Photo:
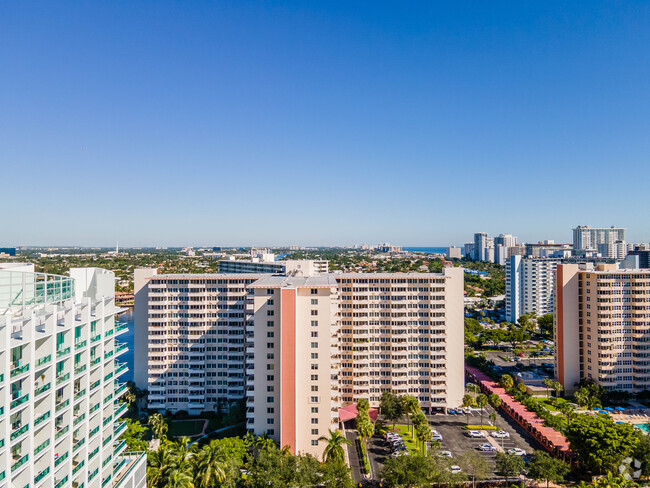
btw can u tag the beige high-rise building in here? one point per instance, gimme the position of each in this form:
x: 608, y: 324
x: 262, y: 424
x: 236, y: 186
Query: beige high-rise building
x: 298, y: 347
x: 602, y: 327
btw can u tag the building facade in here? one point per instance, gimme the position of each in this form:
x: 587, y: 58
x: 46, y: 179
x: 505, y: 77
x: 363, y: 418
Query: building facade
x: 586, y: 239
x: 300, y: 347
x: 59, y: 382
x: 602, y: 327
x: 303, y: 267
x: 529, y: 286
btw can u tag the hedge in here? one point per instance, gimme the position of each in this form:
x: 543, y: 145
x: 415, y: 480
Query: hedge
x: 364, y: 455
x: 480, y: 427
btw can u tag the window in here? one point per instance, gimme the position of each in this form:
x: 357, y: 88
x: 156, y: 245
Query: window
x: 314, y: 377
x: 314, y: 323
x: 270, y: 345
x: 269, y: 312
x: 270, y: 377
x: 313, y: 399
x: 270, y: 421
x: 314, y: 333
x: 270, y: 367
x: 270, y: 356
x: 314, y: 442
x: 270, y: 323
x: 314, y: 312
x: 270, y: 399
x: 314, y: 366
x: 314, y: 355
x: 270, y: 334
x: 314, y: 409
x: 314, y: 387
x: 270, y: 291
x: 270, y: 410
x: 314, y: 291
x: 314, y: 431
x: 270, y: 431
x: 314, y: 301
x: 270, y: 302
x: 314, y: 345
x: 314, y: 420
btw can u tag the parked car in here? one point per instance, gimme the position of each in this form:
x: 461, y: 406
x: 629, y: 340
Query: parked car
x: 445, y: 454
x: 517, y: 452
x: 487, y: 447
x: 455, y: 469
x: 475, y: 433
x: 500, y: 434
x: 451, y: 411
x: 436, y: 436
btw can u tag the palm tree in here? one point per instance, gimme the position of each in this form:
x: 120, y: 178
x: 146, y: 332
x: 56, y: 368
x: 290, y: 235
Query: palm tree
x: 159, y: 466
x: 211, y: 466
x: 180, y: 479
x: 468, y: 401
x: 334, y: 449
x: 249, y: 439
x: 264, y: 442
x: 557, y: 386
x: 412, y: 406
x: 548, y: 384
x: 158, y: 425
x: 423, y: 434
x: 482, y: 401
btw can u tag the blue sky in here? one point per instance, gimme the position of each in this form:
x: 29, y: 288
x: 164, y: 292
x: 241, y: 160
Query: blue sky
x: 322, y: 123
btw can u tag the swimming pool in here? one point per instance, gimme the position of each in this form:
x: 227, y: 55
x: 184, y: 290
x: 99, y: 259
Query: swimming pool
x: 643, y: 427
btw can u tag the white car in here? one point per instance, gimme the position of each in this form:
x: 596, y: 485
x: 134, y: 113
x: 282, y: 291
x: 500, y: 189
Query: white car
x: 515, y: 451
x: 445, y: 454
x: 487, y: 447
x: 500, y: 434
x: 436, y: 437
x: 455, y: 469
x: 475, y: 433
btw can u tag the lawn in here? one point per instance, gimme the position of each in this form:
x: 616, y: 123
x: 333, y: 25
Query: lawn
x: 547, y: 403
x: 405, y: 432
x: 189, y: 428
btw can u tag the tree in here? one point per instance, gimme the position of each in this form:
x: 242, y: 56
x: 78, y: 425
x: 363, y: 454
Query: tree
x: 516, y: 337
x: 544, y: 467
x: 474, y: 466
x: 506, y: 382
x: 545, y: 323
x: 363, y: 405
x: 482, y: 401
x: 521, y: 388
x: 158, y: 425
x: 557, y: 386
x: 495, y: 401
x: 548, y: 384
x: 599, y: 443
x: 134, y: 435
x: 180, y: 479
x: 334, y: 449
x: 211, y: 466
x: 391, y: 407
x: 365, y: 428
x: 413, y: 471
x: 568, y: 411
x: 642, y: 453
x: 509, y: 465
x: 411, y: 405
x: 468, y: 401
x: 423, y: 434
x: 159, y: 464
x: 336, y: 474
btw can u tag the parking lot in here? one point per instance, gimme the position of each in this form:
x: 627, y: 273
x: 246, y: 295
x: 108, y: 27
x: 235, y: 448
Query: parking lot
x: 456, y: 441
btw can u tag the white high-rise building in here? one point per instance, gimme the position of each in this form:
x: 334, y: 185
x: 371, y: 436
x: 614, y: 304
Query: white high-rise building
x: 59, y: 389
x: 529, y: 286
x: 481, y: 245
x: 587, y: 239
x: 298, y: 347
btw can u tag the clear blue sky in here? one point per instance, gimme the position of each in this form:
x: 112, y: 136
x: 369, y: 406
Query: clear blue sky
x: 321, y: 123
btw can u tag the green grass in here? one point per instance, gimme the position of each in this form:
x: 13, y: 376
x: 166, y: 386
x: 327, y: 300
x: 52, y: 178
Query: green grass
x: 405, y: 431
x: 189, y: 428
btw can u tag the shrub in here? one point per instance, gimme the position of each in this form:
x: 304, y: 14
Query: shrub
x: 480, y: 427
x: 364, y: 456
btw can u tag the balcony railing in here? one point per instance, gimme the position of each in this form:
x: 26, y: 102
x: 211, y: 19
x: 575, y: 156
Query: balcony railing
x: 19, y: 401
x: 61, y: 405
x: 61, y: 379
x: 79, y: 394
x: 80, y: 369
x: 44, y: 360
x: 76, y: 469
x: 79, y: 419
x: 17, y: 433
x: 78, y: 444
x: 62, y: 352
x: 19, y: 370
x: 41, y: 418
x: 80, y: 344
x: 41, y: 447
x: 41, y: 389
x: 20, y: 462
x: 62, y: 431
x: 61, y: 483
x: 120, y: 368
x: 120, y: 347
x: 61, y: 458
x: 41, y: 475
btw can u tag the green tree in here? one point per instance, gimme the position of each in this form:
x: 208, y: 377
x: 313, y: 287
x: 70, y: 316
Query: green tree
x: 423, y: 435
x: 521, y: 387
x: 599, y: 443
x: 495, y: 401
x: 558, y: 388
x: 544, y: 467
x: 474, y: 466
x: 545, y: 323
x: 335, y: 474
x: 468, y: 401
x: 516, y: 337
x: 392, y: 408
x: 482, y: 401
x: 334, y: 449
x: 413, y: 471
x: 159, y: 464
x: 363, y: 405
x: 134, y: 435
x: 548, y: 384
x: 412, y: 406
x: 365, y: 428
x: 509, y: 465
x: 506, y: 382
x: 158, y: 425
x: 211, y: 466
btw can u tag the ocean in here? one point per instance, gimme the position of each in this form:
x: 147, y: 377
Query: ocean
x: 428, y: 250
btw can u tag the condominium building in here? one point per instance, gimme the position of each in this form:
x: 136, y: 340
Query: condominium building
x: 59, y: 389
x: 506, y: 240
x: 312, y: 344
x: 529, y: 286
x: 481, y: 245
x: 302, y: 267
x: 602, y: 327
x: 586, y: 239
x: 454, y: 253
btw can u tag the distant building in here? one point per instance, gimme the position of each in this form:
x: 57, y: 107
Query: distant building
x: 7, y: 251
x: 302, y: 267
x: 481, y: 244
x: 454, y: 253
x: 548, y: 249
x: 529, y: 286
x: 388, y: 248
x: 506, y: 240
x: 586, y: 239
x: 468, y: 250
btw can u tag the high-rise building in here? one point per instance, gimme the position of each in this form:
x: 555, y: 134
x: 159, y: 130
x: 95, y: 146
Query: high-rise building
x: 602, y: 326
x: 639, y: 257
x: 529, y: 286
x: 468, y: 250
x: 481, y: 245
x: 507, y: 240
x: 299, y: 346
x: 304, y: 267
x: 586, y: 239
x: 454, y: 253
x: 59, y: 388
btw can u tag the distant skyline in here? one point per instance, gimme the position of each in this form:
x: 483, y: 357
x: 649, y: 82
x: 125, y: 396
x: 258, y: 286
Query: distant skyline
x: 322, y: 123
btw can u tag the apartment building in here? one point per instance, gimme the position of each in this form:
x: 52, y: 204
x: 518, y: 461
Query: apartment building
x: 529, y: 286
x: 586, y: 239
x: 59, y: 382
x: 602, y: 327
x: 312, y: 344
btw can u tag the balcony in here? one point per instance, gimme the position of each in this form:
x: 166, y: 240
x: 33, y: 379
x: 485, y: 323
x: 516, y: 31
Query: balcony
x: 120, y: 368
x: 59, y: 484
x: 79, y: 419
x: 18, y: 432
x: 120, y: 347
x: 121, y: 327
x: 120, y: 410
x: 94, y: 361
x: 61, y: 432
x: 19, y: 401
x: 80, y: 345
x: 60, y: 459
x: 119, y: 428
x: 62, y: 405
x: 78, y: 444
x: 120, y: 389
x: 62, y: 378
x: 77, y: 467
x: 79, y: 394
x: 96, y: 338
x: 20, y: 462
x: 19, y: 369
x: 43, y: 417
x: 62, y: 352
x: 41, y: 447
x: 44, y: 360
x: 119, y: 448
x: 41, y: 475
x: 93, y: 432
x: 41, y: 389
